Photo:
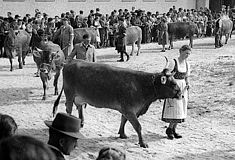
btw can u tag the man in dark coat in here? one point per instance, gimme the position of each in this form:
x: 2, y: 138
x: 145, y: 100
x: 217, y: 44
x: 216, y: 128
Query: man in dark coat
x: 218, y: 26
x: 63, y: 134
x: 121, y: 39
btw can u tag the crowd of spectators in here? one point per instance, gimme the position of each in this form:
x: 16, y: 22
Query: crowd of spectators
x: 134, y: 17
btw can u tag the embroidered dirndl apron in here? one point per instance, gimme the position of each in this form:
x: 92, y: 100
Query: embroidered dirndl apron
x: 175, y: 110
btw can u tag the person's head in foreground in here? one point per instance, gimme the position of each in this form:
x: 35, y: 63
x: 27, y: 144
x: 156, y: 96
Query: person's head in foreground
x: 24, y: 148
x: 64, y: 132
x: 109, y: 153
x: 8, y: 126
x: 185, y: 51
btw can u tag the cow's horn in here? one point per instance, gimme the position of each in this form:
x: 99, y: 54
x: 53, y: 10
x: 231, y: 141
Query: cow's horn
x: 167, y: 62
x: 39, y: 50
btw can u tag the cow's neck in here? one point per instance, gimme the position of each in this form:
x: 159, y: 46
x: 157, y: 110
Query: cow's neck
x: 149, y: 89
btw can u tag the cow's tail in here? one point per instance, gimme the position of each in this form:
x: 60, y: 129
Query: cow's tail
x: 55, y: 107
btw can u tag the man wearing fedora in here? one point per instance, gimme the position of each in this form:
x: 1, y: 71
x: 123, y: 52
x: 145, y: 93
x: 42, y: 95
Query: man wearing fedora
x: 63, y: 134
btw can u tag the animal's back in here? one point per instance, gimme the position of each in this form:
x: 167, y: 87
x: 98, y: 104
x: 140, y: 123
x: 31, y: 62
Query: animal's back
x: 80, y: 32
x: 24, y: 39
x: 103, y: 85
x: 227, y: 26
x: 181, y: 29
x: 134, y: 34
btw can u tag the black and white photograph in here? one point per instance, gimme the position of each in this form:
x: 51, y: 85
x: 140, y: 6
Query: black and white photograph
x: 117, y: 80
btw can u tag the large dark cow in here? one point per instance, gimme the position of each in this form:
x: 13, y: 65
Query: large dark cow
x: 133, y: 35
x: 128, y: 91
x: 49, y: 58
x: 78, y: 35
x: 17, y: 42
x: 181, y: 30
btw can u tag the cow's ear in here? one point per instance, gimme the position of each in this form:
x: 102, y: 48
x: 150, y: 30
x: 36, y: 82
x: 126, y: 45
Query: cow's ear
x: 163, y: 79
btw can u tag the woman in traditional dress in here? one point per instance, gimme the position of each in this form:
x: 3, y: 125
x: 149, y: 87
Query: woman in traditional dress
x: 175, y: 110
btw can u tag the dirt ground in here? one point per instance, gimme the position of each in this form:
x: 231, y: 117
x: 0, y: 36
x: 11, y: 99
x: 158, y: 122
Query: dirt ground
x: 208, y: 133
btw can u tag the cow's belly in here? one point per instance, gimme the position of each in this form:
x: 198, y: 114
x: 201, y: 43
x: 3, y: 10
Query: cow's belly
x: 97, y: 101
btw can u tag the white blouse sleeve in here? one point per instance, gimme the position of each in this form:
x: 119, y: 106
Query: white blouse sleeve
x: 171, y: 65
x: 188, y: 69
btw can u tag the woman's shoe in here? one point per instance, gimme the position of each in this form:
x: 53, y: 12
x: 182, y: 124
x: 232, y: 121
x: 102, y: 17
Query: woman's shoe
x: 176, y: 135
x: 169, y: 133
x: 120, y: 60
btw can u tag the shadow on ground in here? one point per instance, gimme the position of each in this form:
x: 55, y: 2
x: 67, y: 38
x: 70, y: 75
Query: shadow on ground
x: 214, y: 155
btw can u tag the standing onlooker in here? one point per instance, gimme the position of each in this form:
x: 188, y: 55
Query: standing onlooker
x: 24, y: 148
x: 163, y: 35
x: 8, y: 126
x: 218, y: 25
x: 175, y: 110
x: 58, y: 23
x: 9, y: 17
x: 66, y: 35
x: 121, y: 40
x: 109, y: 153
x: 63, y: 134
x: 83, y: 50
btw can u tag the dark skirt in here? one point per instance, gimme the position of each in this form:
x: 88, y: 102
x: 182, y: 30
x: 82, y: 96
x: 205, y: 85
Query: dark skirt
x: 121, y: 44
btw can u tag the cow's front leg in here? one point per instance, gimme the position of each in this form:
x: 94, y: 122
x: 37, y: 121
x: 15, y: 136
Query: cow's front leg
x: 132, y: 49
x: 171, y: 44
x: 24, y: 53
x: 44, y: 79
x: 45, y: 84
x: 80, y: 113
x: 11, y: 67
x: 191, y: 41
x: 122, y: 128
x: 19, y: 52
x: 56, y: 81
x: 135, y: 123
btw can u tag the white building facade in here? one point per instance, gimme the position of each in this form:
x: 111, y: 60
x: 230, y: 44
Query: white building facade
x: 56, y: 7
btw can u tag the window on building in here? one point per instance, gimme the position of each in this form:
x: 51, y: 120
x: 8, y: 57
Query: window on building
x: 102, y: 0
x: 128, y: 0
x: 44, y: 0
x: 13, y: 0
x: 77, y: 0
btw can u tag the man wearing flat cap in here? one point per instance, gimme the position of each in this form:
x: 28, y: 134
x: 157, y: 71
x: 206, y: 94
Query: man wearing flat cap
x: 66, y: 36
x: 63, y: 134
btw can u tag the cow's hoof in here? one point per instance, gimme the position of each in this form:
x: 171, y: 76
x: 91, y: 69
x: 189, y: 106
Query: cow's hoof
x: 56, y: 93
x: 20, y: 66
x: 23, y: 63
x: 82, y: 124
x: 36, y: 74
x: 123, y: 136
x: 11, y: 69
x: 44, y: 98
x: 144, y: 145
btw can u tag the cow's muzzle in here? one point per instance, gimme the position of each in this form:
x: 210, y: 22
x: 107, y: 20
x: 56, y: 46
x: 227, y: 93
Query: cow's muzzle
x: 179, y: 95
x: 44, y: 70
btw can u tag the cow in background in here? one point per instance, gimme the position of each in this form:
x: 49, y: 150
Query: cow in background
x: 48, y: 57
x: 78, y: 35
x: 226, y: 29
x: 17, y: 43
x: 179, y: 30
x: 133, y: 36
